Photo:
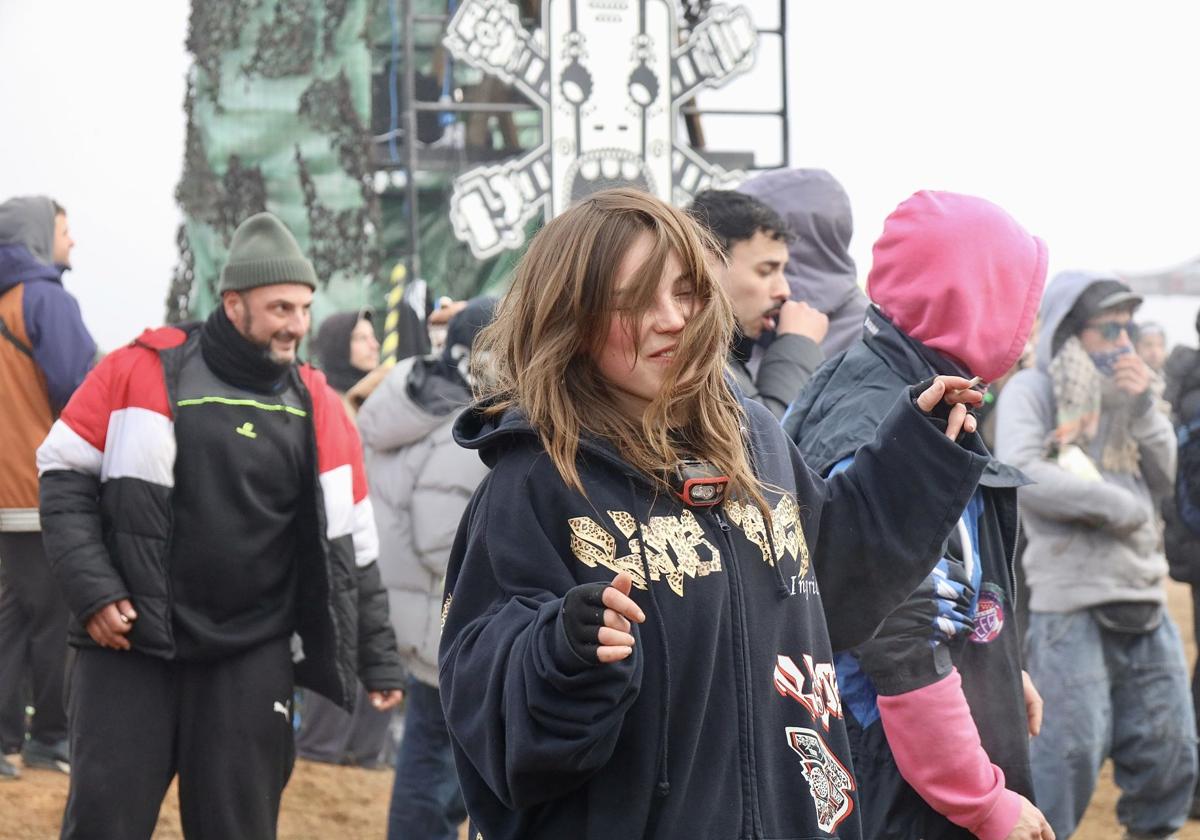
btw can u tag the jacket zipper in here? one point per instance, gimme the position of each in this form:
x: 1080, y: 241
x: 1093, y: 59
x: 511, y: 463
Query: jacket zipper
x: 742, y: 653
x: 177, y: 360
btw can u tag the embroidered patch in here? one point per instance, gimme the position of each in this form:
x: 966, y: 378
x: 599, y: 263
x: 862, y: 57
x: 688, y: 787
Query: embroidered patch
x: 817, y: 692
x: 989, y: 614
x: 829, y: 783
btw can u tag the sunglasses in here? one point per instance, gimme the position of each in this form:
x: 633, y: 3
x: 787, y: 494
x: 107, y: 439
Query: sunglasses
x: 1111, y: 330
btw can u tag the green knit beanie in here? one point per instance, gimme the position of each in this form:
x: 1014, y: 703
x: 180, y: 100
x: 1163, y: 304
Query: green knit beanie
x: 264, y: 252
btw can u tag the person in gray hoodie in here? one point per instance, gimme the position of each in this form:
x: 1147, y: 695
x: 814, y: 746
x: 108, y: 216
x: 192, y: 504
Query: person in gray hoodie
x: 1107, y: 659
x: 777, y: 345
x: 421, y: 482
x: 820, y: 270
x: 45, y: 352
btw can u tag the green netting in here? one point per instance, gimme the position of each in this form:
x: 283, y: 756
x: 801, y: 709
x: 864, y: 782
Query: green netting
x: 283, y: 99
x: 447, y: 265
x: 278, y: 106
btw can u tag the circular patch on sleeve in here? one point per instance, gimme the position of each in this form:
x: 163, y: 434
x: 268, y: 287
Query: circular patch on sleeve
x: 989, y: 614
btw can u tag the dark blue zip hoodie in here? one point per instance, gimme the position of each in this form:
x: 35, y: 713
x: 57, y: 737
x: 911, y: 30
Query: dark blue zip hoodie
x: 726, y: 722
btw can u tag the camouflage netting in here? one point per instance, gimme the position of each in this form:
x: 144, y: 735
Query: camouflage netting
x: 278, y: 107
x: 295, y: 106
x: 447, y: 265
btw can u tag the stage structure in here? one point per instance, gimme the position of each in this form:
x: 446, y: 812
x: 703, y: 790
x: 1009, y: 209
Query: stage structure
x: 609, y: 81
x: 520, y: 108
x: 278, y: 118
x: 413, y: 146
x: 1182, y: 279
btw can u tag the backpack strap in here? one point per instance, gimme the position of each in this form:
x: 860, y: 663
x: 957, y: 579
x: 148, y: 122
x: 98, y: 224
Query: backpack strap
x: 8, y: 334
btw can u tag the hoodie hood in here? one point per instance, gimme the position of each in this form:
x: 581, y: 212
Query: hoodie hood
x: 29, y: 221
x: 491, y: 434
x: 961, y: 276
x: 1061, y: 295
x: 27, y: 241
x: 434, y: 392
x: 816, y: 210
x: 461, y: 332
x: 484, y: 433
x: 332, y: 349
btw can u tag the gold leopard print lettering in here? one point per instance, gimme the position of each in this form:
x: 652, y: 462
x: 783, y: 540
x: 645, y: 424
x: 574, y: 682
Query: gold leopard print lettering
x: 676, y: 548
x: 786, y: 531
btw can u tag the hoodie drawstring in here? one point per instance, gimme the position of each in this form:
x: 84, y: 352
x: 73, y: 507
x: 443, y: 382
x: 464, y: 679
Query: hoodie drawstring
x: 662, y: 786
x: 783, y: 589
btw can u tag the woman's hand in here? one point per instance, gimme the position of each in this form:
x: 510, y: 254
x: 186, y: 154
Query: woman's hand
x: 956, y: 393
x: 597, y: 619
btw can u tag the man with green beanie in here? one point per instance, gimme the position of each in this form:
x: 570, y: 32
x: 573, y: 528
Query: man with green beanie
x: 204, y: 509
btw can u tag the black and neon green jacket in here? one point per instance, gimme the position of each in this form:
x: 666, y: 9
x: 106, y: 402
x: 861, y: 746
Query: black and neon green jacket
x: 108, y: 500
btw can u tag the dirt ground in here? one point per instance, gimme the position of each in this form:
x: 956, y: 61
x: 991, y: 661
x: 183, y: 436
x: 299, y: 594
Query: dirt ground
x: 348, y: 804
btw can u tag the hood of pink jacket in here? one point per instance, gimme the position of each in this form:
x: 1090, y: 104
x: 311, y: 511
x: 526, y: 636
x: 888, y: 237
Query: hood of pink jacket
x: 961, y: 276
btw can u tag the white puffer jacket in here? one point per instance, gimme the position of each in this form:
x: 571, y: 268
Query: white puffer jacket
x: 421, y: 482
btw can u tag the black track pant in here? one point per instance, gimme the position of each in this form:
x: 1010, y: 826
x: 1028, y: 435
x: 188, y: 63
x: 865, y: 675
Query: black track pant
x: 225, y: 727
x: 33, y: 641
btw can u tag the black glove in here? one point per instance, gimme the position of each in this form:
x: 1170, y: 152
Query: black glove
x: 582, y: 617
x: 939, y: 415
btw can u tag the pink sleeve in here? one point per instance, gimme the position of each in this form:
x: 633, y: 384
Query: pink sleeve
x: 945, y: 763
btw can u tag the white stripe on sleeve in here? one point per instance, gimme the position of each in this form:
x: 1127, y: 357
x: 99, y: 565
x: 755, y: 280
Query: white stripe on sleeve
x: 366, y: 539
x: 141, y: 444
x: 65, y: 449
x: 337, y: 487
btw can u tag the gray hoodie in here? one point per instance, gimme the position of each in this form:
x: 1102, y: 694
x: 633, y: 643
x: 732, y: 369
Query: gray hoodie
x: 421, y: 482
x: 1090, y: 542
x: 820, y: 270
x: 29, y: 221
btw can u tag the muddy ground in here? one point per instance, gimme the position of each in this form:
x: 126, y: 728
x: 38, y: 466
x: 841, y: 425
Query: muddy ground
x: 323, y: 801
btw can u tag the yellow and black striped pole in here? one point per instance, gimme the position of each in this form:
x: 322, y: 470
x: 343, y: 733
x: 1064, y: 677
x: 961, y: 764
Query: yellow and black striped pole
x: 391, y: 324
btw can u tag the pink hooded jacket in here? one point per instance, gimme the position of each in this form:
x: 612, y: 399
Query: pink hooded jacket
x: 942, y: 273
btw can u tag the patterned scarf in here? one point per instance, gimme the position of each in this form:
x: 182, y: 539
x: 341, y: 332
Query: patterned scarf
x: 1081, y: 393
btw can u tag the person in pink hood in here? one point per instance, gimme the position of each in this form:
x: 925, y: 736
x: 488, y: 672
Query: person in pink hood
x: 937, y: 705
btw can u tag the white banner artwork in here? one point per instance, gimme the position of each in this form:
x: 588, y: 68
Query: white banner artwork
x: 610, y: 85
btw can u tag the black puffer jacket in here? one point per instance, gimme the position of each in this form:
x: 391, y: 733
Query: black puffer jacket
x: 107, y: 479
x: 1180, y: 543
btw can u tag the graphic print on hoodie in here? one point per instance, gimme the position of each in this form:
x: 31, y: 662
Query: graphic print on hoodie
x: 726, y: 721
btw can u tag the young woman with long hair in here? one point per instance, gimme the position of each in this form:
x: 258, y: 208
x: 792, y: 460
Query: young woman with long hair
x: 645, y: 593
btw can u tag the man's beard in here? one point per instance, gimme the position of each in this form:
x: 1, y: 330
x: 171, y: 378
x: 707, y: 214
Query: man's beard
x: 247, y: 332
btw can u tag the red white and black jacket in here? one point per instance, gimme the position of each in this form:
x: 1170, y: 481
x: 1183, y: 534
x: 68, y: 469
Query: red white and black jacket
x: 106, y: 481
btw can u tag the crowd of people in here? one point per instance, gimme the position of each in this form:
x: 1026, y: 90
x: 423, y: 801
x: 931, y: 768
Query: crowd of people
x: 686, y: 534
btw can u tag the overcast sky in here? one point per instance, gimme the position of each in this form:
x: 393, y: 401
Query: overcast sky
x: 1079, y: 117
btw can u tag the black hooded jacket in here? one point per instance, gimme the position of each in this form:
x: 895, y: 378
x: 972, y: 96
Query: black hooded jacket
x: 726, y: 721
x: 837, y: 414
x: 1180, y: 543
x: 332, y: 349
